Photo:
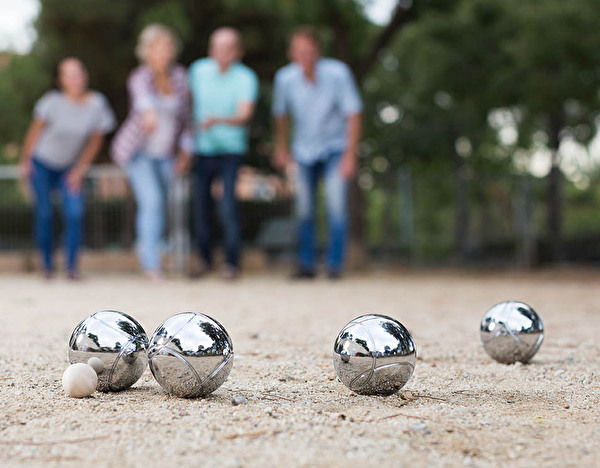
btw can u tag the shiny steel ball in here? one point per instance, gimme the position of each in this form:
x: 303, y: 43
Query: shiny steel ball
x: 511, y: 331
x: 190, y: 355
x: 119, y: 341
x: 374, y: 355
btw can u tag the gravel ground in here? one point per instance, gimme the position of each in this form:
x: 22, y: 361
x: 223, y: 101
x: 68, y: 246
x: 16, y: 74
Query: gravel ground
x: 459, y: 408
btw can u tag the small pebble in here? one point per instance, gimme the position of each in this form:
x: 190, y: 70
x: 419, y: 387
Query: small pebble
x: 79, y: 380
x: 420, y: 428
x: 96, y: 364
x: 238, y: 400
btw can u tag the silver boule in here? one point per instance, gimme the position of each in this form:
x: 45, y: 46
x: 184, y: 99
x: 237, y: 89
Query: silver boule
x: 511, y: 331
x: 190, y: 355
x: 118, y: 340
x: 374, y: 355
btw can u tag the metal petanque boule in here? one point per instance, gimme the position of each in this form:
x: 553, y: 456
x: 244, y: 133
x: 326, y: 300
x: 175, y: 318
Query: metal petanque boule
x: 511, y: 331
x: 190, y: 355
x: 117, y: 340
x: 374, y: 355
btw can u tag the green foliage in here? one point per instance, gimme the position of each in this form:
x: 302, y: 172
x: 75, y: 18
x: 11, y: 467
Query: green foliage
x: 554, y: 54
x: 462, y: 59
x: 21, y: 83
x: 459, y: 62
x: 170, y: 13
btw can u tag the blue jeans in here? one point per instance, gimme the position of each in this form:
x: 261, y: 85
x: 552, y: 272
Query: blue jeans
x: 336, y: 188
x: 206, y: 169
x: 44, y: 181
x: 150, y: 179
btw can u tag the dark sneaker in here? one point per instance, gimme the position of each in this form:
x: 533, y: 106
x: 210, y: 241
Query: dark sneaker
x: 303, y: 274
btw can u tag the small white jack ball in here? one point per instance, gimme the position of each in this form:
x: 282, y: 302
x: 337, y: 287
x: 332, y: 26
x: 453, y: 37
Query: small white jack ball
x: 96, y: 364
x: 79, y: 380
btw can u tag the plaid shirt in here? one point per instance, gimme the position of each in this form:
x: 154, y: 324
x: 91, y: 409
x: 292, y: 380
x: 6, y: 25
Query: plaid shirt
x: 142, y: 94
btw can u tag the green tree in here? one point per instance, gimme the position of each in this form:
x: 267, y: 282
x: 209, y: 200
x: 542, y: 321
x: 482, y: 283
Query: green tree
x: 459, y: 61
x: 552, y: 77
x: 22, y: 81
x: 441, y: 78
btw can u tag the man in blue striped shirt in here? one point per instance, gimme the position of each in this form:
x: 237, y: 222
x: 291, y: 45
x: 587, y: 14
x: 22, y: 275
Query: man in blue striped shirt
x: 323, y: 101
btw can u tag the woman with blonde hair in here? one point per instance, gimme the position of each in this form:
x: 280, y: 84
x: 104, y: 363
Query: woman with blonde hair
x: 155, y: 140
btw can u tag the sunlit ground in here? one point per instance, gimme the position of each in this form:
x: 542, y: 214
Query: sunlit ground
x: 460, y: 407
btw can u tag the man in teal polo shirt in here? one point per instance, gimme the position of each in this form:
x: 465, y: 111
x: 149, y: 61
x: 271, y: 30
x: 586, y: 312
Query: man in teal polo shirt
x: 224, y: 93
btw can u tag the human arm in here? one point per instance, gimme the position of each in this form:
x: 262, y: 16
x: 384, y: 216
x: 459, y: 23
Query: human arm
x: 351, y: 105
x: 77, y: 173
x: 31, y: 138
x: 282, y: 156
x: 185, y: 144
x: 105, y: 123
x: 349, y: 160
x: 142, y: 96
x: 241, y: 117
x: 247, y: 93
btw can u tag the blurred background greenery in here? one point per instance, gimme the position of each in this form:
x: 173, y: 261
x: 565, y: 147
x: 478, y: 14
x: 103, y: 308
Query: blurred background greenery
x: 481, y: 116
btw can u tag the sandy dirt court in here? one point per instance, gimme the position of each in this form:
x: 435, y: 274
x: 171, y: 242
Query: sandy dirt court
x: 459, y: 408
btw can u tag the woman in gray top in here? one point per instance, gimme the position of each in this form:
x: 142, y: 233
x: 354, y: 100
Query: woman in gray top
x: 63, y: 139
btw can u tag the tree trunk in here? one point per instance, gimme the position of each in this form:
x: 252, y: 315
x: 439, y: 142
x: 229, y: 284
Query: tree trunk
x: 555, y: 210
x: 357, y: 248
x: 400, y: 17
x: 463, y: 215
x: 554, y: 195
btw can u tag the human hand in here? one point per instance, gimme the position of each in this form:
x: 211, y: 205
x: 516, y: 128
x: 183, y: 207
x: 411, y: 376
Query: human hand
x: 348, y: 164
x: 74, y: 179
x: 282, y: 159
x: 183, y: 163
x: 208, y: 123
x: 149, y: 120
x: 26, y: 168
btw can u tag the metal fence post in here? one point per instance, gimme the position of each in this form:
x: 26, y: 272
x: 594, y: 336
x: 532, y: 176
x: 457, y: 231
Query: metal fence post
x: 406, y: 220
x: 524, y: 226
x: 178, y: 214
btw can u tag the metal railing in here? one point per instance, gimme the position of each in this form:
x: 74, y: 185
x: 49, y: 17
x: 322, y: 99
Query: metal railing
x: 405, y: 217
x: 110, y: 215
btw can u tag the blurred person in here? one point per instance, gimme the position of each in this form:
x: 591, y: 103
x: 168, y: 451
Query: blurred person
x: 66, y: 133
x: 154, y: 143
x: 224, y: 93
x: 321, y: 97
